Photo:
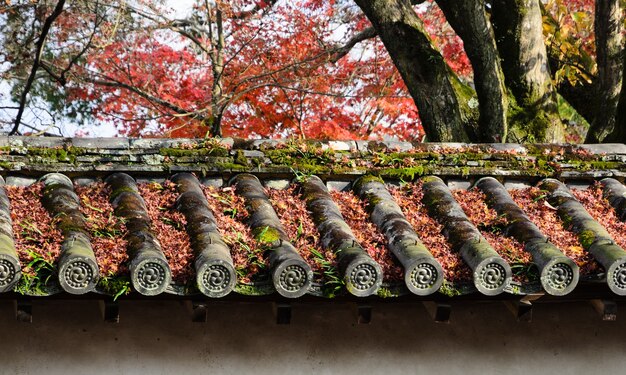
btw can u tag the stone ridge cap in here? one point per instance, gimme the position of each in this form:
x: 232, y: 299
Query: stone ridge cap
x: 124, y: 143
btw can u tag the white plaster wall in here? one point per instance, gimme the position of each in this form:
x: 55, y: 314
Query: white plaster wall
x: 159, y: 338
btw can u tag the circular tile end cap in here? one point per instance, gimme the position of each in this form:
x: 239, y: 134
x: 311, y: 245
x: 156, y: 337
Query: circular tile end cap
x: 10, y: 272
x: 216, y: 278
x: 560, y: 276
x: 363, y: 277
x: 151, y: 276
x: 78, y: 275
x: 292, y: 278
x: 424, y: 276
x: 616, y: 277
x: 492, y: 276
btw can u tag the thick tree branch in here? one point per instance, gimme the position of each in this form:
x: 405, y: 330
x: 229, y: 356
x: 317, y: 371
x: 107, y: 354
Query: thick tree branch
x: 608, y: 24
x: 469, y: 20
x: 36, y: 61
x: 439, y: 95
x: 518, y: 27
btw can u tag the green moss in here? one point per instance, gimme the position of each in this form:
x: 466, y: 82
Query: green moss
x: 56, y: 154
x: 404, y: 174
x: 254, y: 290
x: 586, y: 238
x: 266, y: 235
x: 384, y: 292
x: 115, y: 286
x: 367, y: 179
x: 122, y: 189
x: 194, y: 152
x: 240, y: 158
x: 231, y: 167
x: 449, y: 289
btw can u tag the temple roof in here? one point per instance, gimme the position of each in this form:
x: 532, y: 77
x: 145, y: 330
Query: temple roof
x: 355, y: 220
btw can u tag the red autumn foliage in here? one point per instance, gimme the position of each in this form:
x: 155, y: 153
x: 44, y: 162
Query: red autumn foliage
x: 281, y: 74
x: 169, y: 226
x: 34, y: 230
x: 409, y: 198
x: 293, y: 214
x: 230, y: 213
x: 107, y: 230
x: 367, y: 234
x: 490, y: 226
x: 601, y: 210
x: 533, y: 202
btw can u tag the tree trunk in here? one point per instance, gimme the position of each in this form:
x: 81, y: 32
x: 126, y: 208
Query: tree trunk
x: 442, y: 100
x: 620, y: 117
x: 469, y: 20
x: 518, y: 28
x: 217, y: 66
x: 609, y: 48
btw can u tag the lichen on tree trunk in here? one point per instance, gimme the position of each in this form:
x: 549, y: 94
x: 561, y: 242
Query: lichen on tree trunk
x: 533, y: 114
x: 469, y: 20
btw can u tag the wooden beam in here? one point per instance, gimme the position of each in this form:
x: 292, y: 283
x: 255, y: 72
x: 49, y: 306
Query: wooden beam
x: 522, y: 309
x: 282, y: 312
x: 439, y: 312
x: 110, y: 311
x: 24, y: 310
x: 363, y: 313
x: 607, y: 309
x: 198, y: 310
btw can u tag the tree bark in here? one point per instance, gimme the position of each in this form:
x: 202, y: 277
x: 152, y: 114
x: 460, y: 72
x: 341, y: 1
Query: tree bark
x: 442, y: 100
x: 620, y: 117
x: 469, y: 20
x: 519, y: 37
x: 609, y: 20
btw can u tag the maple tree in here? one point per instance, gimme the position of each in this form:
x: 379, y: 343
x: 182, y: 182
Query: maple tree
x: 318, y: 69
